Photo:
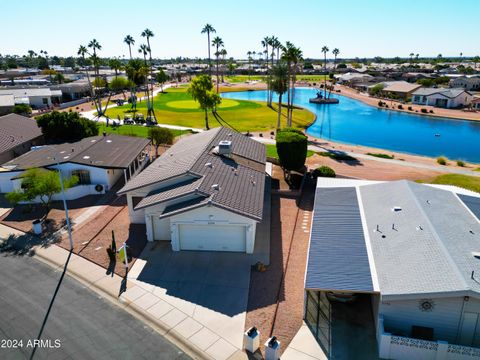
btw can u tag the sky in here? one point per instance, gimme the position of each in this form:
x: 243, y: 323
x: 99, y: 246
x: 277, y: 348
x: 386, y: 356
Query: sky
x: 364, y: 28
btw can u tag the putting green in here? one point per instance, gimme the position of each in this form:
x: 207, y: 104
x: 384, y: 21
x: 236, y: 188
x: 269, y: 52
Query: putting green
x: 190, y: 104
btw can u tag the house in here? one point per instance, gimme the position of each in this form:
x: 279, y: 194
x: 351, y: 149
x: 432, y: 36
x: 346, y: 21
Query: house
x: 352, y: 78
x: 468, y: 83
x: 204, y: 193
x: 18, y: 134
x: 7, y: 103
x: 398, y: 89
x: 444, y: 98
x: 37, y: 98
x: 410, y: 252
x: 73, y: 90
x: 98, y: 161
x: 476, y: 102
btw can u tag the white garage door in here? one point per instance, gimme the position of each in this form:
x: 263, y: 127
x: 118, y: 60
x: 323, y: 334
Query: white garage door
x: 212, y: 237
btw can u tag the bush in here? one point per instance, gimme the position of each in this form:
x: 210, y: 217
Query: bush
x: 400, y: 107
x: 291, y: 148
x: 410, y: 108
x: 460, y: 163
x: 66, y: 126
x: 324, y: 171
x: 431, y: 111
x: 380, y: 103
x: 22, y: 109
x: 424, y: 111
x: 441, y: 160
x: 380, y: 155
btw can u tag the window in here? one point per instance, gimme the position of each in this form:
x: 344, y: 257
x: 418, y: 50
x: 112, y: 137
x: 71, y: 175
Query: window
x: 45, y: 101
x: 83, y: 176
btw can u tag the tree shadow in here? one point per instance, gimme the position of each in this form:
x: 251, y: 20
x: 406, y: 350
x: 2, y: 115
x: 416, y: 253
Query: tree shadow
x: 23, y: 245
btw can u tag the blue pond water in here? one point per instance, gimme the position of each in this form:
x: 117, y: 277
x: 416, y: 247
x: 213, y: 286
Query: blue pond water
x: 353, y: 122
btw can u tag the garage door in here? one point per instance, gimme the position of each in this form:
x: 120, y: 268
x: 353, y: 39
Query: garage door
x: 212, y: 237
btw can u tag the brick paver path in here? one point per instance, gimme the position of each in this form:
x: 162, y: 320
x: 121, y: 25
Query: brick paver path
x: 275, y: 304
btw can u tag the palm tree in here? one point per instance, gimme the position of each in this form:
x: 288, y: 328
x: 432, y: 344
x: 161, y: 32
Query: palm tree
x: 147, y: 33
x: 265, y: 44
x: 411, y: 57
x: 82, y: 51
x: 249, y: 57
x: 292, y: 56
x: 115, y: 65
x: 217, y: 42
x: 207, y: 29
x: 335, y: 53
x: 275, y: 46
x: 223, y: 53
x: 145, y: 51
x: 129, y: 40
x: 416, y: 57
x: 325, y: 49
x: 461, y: 56
x: 279, y: 84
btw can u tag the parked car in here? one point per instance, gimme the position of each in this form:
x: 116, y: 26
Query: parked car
x: 128, y: 119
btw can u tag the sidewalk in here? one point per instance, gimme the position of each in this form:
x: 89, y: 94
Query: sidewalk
x: 304, y: 346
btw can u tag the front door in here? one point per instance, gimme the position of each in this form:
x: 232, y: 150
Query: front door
x: 469, y: 327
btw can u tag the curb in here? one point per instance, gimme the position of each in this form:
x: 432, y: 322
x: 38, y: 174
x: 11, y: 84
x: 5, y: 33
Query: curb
x: 131, y: 308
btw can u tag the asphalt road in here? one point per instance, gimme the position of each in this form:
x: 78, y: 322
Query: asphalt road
x: 84, y: 325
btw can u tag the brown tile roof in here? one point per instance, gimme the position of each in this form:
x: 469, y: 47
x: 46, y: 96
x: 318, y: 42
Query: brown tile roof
x: 16, y: 130
x: 236, y: 183
x: 112, y: 151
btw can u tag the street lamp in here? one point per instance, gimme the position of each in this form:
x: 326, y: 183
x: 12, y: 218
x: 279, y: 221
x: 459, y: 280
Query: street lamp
x: 69, y: 229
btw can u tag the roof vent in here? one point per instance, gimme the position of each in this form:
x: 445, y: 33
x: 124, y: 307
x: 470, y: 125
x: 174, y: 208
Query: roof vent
x: 216, y: 187
x: 476, y: 254
x: 225, y: 148
x: 209, y: 164
x: 86, y: 157
x: 397, y: 208
x: 109, y: 141
x: 419, y: 227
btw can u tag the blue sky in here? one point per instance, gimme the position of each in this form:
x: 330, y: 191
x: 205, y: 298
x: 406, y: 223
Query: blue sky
x: 358, y: 28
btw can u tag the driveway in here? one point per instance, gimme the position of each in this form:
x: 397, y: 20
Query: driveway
x: 200, y: 296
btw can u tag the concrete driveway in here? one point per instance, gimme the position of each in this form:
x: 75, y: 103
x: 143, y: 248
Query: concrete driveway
x: 201, y: 296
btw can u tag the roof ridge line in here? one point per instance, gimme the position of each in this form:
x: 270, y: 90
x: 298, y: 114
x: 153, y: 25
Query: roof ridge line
x: 436, y: 236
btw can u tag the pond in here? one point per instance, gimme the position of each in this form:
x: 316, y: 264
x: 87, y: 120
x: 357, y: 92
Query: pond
x: 354, y: 122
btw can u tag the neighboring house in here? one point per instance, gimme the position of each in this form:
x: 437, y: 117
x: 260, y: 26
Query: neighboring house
x: 74, y: 90
x: 398, y: 89
x: 351, y: 78
x: 476, y: 102
x: 468, y: 83
x: 17, y: 136
x: 206, y: 192
x: 7, y: 103
x: 37, y: 98
x: 444, y: 98
x: 411, y: 252
x: 98, y: 161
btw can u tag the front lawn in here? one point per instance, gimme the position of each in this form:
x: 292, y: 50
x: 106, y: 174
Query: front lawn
x: 176, y: 107
x: 464, y: 181
x: 272, y: 151
x: 132, y: 130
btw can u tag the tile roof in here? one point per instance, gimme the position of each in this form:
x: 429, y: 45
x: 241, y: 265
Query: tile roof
x: 112, y: 151
x: 15, y: 130
x: 236, y: 183
x: 400, y: 86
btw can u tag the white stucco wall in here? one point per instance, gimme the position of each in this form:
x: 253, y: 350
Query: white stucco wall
x: 98, y: 175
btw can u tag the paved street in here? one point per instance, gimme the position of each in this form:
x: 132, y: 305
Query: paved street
x: 87, y: 326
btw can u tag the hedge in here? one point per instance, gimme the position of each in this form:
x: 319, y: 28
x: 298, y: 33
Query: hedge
x: 291, y: 148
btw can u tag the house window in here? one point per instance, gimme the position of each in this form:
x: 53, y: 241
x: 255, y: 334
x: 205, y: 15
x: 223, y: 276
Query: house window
x: 136, y: 200
x: 83, y: 176
x: 45, y: 101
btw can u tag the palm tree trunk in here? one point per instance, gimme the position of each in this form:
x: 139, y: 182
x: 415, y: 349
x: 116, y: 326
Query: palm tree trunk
x: 217, y: 72
x: 209, y: 63
x: 279, y: 110
x: 293, y: 98
x: 288, y: 92
x: 206, y: 120
x: 270, y: 99
x: 130, y: 51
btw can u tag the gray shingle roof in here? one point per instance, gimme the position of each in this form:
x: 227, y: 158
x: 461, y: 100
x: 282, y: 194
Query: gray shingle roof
x: 239, y: 181
x: 15, y: 130
x: 427, y: 246
x: 114, y: 151
x: 337, y: 258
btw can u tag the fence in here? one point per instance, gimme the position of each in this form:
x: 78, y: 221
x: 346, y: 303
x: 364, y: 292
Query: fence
x: 404, y: 348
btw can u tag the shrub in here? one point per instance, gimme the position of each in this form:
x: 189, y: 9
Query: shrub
x: 380, y: 103
x: 410, y: 108
x: 431, y: 111
x: 423, y: 110
x: 400, y: 107
x: 66, y: 126
x: 22, y: 109
x: 291, y: 148
x: 441, y: 160
x: 324, y: 171
x: 460, y: 163
x: 380, y: 155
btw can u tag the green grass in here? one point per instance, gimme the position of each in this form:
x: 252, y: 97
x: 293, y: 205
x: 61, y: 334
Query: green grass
x: 464, y: 181
x: 272, y: 151
x: 337, y: 156
x: 176, y: 107
x: 132, y: 130
x: 380, y: 155
x: 244, y: 78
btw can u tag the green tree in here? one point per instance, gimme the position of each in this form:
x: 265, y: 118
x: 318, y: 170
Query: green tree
x: 376, y: 90
x: 279, y: 84
x: 66, y: 126
x: 41, y: 184
x: 136, y: 71
x: 325, y: 49
x: 291, y: 148
x: 160, y: 136
x: 147, y: 33
x: 22, y: 109
x: 208, y: 29
x: 115, y: 65
x: 129, y: 40
x: 162, y: 78
x: 201, y: 90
